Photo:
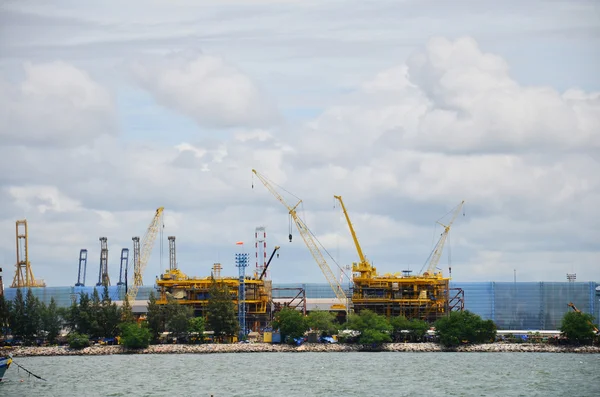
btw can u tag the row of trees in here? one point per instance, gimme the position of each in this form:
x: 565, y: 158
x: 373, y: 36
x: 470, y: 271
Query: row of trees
x: 457, y: 328
x: 95, y: 317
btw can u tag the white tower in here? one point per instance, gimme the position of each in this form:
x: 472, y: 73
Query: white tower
x: 260, y: 238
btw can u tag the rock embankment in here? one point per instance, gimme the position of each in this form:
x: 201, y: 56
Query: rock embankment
x: 307, y: 347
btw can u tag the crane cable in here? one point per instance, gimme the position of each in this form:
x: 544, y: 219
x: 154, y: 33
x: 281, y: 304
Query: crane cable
x: 28, y: 371
x: 302, y: 209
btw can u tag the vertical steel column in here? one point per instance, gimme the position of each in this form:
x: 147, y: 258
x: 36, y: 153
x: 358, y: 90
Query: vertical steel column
x: 82, y: 264
x: 241, y: 262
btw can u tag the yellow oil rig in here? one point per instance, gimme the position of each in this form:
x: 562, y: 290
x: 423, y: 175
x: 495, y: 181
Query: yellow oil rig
x: 195, y: 291
x: 425, y: 296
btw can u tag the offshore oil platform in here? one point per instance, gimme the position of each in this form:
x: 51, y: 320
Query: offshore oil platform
x: 426, y: 296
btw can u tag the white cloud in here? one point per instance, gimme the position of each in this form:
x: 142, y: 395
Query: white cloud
x: 205, y: 88
x: 458, y: 119
x: 55, y: 105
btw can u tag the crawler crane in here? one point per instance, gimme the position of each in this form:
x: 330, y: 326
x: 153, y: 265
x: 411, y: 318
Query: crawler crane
x: 141, y: 261
x: 365, y: 268
x: 310, y: 242
x: 439, y: 247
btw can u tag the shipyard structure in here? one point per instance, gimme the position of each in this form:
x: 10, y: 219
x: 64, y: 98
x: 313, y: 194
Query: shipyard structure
x: 427, y: 295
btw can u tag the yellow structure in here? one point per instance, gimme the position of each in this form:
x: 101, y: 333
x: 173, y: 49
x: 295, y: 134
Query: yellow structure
x: 343, y: 302
x: 23, y: 273
x: 425, y: 297
x: 194, y: 291
x: 142, y: 255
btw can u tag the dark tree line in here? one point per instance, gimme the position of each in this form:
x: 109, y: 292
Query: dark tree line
x: 96, y: 317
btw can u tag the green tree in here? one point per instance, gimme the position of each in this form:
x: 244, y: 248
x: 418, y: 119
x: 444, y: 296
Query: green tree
x: 51, y: 321
x: 322, y: 320
x: 17, y: 316
x: 33, y: 317
x: 197, y: 325
x: 464, y: 327
x: 5, y: 309
x: 82, y: 315
x: 222, y: 315
x: 127, y: 312
x: 95, y: 316
x: 110, y: 316
x: 177, y: 317
x: 405, y: 329
x: 419, y: 329
x: 291, y: 324
x: 134, y: 336
x: 78, y: 341
x: 374, y: 329
x: 578, y: 327
x: 155, y: 317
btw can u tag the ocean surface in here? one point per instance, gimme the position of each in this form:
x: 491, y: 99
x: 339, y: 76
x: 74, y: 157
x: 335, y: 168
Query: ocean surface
x: 309, y: 374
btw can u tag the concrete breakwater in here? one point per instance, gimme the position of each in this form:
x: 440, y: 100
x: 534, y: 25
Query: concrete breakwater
x: 307, y: 347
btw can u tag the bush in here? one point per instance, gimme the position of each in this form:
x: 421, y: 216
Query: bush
x: 578, y: 327
x: 464, y: 327
x: 78, y: 341
x: 135, y: 337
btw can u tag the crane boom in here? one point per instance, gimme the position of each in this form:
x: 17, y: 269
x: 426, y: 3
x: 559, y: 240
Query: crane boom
x: 310, y: 243
x: 364, y: 267
x: 439, y: 247
x: 269, y: 262
x: 145, y: 251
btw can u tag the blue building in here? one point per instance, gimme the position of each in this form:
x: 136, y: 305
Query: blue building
x: 512, y: 306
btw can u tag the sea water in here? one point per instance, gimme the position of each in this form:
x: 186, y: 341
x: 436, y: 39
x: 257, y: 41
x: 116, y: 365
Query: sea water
x: 309, y: 374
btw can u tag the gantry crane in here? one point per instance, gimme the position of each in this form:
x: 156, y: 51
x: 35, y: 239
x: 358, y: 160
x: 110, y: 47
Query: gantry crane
x: 141, y: 259
x: 23, y: 273
x: 311, y: 244
x: 364, y: 267
x: 82, y: 266
x: 123, y: 267
x: 439, y: 247
x: 103, y: 279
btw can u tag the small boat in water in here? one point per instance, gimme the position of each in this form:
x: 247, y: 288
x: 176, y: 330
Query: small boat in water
x: 5, y: 362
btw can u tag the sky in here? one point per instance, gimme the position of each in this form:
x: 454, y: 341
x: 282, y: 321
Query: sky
x: 109, y: 110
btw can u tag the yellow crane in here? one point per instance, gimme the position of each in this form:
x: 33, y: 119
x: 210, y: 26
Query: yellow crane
x: 145, y: 251
x: 572, y: 306
x: 439, y: 247
x: 363, y: 267
x: 311, y: 244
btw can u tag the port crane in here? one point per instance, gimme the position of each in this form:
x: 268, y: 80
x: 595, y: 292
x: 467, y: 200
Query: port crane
x: 311, y: 244
x: 82, y: 266
x: 141, y: 260
x: 365, y: 268
x: 439, y: 247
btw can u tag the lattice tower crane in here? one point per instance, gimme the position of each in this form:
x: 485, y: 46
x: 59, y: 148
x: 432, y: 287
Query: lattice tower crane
x: 311, y: 244
x: 364, y: 267
x: 439, y: 247
x: 145, y: 250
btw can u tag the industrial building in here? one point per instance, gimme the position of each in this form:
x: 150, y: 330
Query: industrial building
x: 512, y: 306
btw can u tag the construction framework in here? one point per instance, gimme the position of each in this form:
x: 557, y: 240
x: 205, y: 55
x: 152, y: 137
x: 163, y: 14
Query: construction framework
x: 23, y: 273
x: 195, y: 292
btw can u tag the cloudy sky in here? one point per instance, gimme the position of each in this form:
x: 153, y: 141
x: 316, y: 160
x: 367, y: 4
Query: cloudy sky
x: 110, y: 109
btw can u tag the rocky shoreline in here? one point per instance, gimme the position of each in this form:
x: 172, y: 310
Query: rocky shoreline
x: 307, y: 347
